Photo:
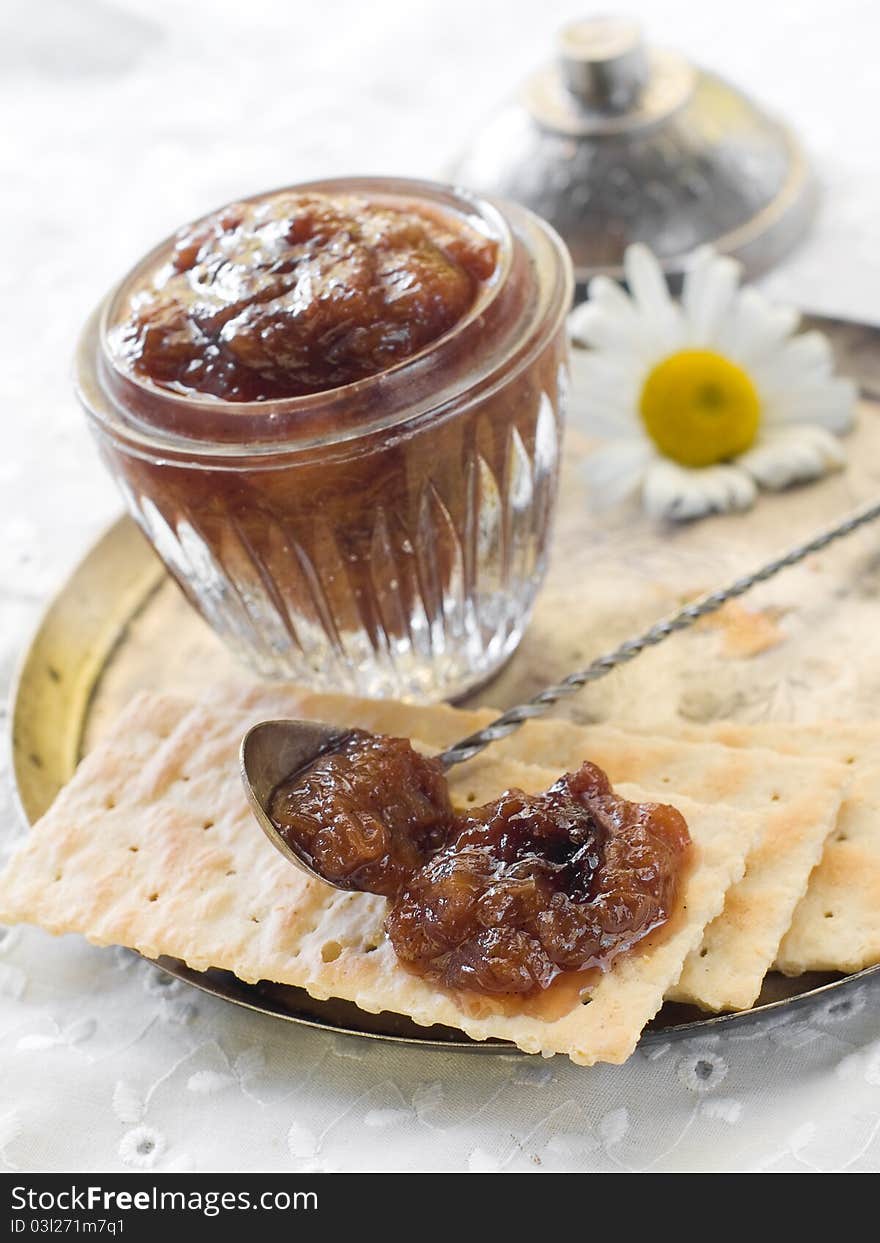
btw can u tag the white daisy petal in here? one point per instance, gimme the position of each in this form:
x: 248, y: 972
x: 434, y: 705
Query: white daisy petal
x: 615, y: 471
x: 646, y: 281
x: 606, y: 293
x: 604, y: 367
x: 661, y: 326
x: 602, y: 395
x: 600, y: 329
x: 793, y: 454
x: 613, y: 303
x: 804, y: 359
x: 831, y: 404
x: 677, y: 493
x: 710, y: 288
x: 756, y: 328
x: 609, y: 423
x: 811, y: 352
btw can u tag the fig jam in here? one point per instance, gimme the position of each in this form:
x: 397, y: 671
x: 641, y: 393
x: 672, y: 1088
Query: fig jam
x: 300, y: 293
x: 499, y: 900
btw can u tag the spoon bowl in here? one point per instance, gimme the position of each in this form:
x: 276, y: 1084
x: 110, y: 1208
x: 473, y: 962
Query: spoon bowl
x: 272, y: 752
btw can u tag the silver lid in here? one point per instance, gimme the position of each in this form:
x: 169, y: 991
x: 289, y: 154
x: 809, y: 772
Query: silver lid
x: 616, y: 142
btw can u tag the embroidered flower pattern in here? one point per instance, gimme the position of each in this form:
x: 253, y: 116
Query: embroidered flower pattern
x: 141, y: 1147
x: 703, y: 1071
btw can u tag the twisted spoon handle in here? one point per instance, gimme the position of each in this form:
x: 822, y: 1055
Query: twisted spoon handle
x: 542, y: 702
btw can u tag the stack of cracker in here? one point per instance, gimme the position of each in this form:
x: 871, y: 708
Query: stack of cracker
x: 152, y: 846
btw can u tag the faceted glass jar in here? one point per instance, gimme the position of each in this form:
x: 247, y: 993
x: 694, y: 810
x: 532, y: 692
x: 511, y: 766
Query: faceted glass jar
x: 385, y: 538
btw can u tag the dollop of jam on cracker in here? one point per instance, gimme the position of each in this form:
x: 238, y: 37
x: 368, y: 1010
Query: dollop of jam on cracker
x: 502, y: 898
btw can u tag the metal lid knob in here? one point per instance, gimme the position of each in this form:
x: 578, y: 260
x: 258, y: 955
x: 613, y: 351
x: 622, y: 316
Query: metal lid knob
x: 603, y: 62
x: 615, y: 142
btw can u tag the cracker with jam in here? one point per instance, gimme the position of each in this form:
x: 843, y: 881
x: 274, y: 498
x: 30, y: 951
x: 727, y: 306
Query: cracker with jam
x: 152, y: 845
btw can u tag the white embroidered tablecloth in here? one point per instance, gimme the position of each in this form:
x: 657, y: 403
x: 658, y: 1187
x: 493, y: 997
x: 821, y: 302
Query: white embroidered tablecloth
x: 124, y: 118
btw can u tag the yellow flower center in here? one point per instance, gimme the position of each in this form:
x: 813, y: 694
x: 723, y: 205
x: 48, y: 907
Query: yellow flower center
x: 699, y: 408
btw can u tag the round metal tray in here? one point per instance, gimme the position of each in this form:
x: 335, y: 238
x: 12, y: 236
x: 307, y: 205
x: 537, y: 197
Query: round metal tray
x: 119, y: 624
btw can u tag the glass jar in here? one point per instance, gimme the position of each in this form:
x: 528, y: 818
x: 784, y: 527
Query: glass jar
x: 387, y: 537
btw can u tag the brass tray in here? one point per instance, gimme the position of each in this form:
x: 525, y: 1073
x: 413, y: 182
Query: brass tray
x: 119, y: 624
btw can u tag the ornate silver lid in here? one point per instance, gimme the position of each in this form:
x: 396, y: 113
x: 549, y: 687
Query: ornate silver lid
x: 616, y: 143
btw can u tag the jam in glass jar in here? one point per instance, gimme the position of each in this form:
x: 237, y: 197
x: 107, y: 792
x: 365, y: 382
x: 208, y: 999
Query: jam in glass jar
x: 336, y: 412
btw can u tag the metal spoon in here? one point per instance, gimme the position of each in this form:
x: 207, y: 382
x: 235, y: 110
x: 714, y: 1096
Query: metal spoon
x: 274, y: 751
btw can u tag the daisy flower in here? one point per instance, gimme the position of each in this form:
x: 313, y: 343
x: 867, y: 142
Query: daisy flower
x: 701, y: 402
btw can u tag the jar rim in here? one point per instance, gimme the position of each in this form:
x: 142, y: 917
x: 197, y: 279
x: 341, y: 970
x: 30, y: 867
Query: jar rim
x: 109, y: 392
